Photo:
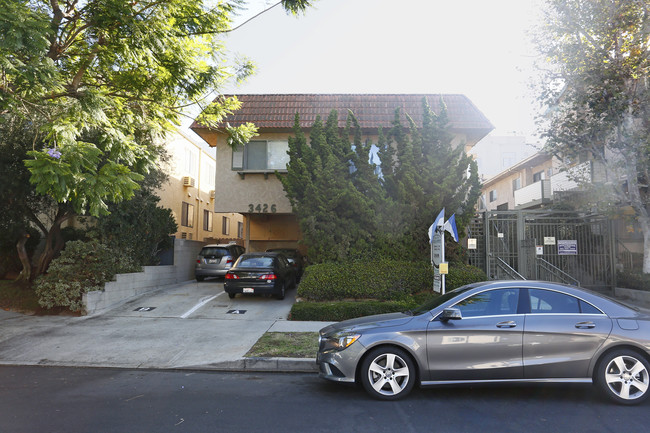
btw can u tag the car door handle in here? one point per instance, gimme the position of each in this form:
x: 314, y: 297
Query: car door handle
x: 585, y: 325
x: 507, y: 324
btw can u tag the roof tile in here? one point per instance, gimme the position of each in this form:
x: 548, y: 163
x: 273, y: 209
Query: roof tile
x: 276, y: 111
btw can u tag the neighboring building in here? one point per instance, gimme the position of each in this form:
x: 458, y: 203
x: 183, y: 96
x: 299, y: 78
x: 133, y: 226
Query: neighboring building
x: 544, y: 181
x: 496, y: 153
x: 536, y: 182
x: 190, y: 192
x: 246, y: 176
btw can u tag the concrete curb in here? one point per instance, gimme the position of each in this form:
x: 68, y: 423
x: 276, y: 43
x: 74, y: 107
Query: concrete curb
x: 279, y: 365
x: 284, y: 365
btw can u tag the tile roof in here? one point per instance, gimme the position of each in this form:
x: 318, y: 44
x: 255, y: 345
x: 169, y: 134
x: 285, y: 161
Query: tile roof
x: 268, y: 111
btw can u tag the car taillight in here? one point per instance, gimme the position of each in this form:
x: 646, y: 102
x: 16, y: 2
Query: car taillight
x: 268, y: 277
x: 229, y: 260
x: 198, y: 260
x: 230, y: 276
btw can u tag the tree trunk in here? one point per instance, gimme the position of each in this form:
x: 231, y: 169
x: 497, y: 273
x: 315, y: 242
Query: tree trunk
x: 53, y: 243
x: 26, y: 272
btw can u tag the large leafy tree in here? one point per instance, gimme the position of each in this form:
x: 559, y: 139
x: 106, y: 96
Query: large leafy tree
x: 596, y: 81
x: 96, y: 83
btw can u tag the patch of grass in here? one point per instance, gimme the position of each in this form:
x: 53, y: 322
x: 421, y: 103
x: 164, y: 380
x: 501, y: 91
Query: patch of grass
x: 285, y: 345
x: 18, y: 297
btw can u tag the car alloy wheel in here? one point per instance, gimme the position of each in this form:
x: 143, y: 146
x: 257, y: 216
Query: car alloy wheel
x: 623, y: 376
x: 388, y: 373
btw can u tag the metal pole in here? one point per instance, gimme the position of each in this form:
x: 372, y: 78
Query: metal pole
x: 442, y: 260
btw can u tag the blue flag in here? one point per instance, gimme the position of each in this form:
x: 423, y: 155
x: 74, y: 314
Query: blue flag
x: 450, y: 226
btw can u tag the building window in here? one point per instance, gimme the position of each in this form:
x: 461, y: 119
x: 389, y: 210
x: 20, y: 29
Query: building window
x: 225, y: 225
x: 240, y: 230
x: 516, y: 184
x: 261, y: 155
x: 493, y: 195
x: 207, y: 220
x: 190, y: 162
x: 538, y: 176
x: 207, y: 174
x: 187, y: 215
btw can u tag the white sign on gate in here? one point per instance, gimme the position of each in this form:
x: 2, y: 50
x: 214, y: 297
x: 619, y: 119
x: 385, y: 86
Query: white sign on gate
x: 567, y: 247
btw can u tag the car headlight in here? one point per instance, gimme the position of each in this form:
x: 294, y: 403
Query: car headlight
x: 339, y: 341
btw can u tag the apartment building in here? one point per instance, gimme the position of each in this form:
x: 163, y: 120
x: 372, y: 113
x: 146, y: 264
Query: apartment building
x: 247, y: 175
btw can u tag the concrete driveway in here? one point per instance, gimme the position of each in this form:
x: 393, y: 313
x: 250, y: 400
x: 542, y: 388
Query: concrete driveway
x: 205, y: 300
x: 189, y: 325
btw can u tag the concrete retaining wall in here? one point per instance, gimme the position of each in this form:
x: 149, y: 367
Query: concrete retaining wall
x: 637, y: 297
x: 128, y: 286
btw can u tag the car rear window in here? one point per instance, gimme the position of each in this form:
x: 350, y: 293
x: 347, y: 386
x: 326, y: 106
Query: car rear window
x: 286, y: 252
x: 217, y: 252
x: 255, y: 262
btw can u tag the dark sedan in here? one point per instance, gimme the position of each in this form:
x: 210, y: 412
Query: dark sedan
x: 260, y: 274
x: 498, y: 331
x: 295, y: 258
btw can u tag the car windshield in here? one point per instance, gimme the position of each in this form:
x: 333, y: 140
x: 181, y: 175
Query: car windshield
x: 217, y: 252
x: 255, y: 262
x: 439, y: 300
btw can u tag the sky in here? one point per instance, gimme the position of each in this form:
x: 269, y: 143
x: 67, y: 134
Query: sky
x: 477, y: 48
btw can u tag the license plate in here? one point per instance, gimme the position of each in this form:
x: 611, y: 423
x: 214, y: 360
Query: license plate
x: 213, y: 261
x: 248, y: 290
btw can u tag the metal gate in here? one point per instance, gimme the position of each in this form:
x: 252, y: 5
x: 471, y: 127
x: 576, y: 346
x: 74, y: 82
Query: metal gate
x: 567, y: 247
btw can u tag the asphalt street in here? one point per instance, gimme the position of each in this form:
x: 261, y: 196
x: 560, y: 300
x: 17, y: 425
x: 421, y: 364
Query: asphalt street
x: 82, y: 400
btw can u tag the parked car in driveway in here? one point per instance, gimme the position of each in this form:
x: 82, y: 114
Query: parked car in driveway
x: 497, y: 331
x: 260, y: 274
x: 295, y: 258
x: 215, y: 260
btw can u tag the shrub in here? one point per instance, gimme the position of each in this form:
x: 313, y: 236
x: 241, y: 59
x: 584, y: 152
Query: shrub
x: 337, y: 311
x: 382, y: 279
x: 633, y: 280
x: 82, y: 267
x: 461, y: 274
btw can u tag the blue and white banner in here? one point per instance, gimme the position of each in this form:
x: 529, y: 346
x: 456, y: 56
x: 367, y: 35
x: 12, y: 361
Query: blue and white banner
x: 450, y: 226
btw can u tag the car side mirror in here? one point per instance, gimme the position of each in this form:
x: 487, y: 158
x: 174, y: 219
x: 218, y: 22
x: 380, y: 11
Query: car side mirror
x: 451, y: 314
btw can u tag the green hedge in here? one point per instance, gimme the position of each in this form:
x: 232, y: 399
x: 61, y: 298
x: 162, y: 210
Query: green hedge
x: 633, y: 280
x: 337, y: 311
x: 82, y: 267
x: 380, y: 280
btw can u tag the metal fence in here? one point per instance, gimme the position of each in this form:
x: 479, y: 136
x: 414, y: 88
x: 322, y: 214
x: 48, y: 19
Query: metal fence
x: 569, y: 247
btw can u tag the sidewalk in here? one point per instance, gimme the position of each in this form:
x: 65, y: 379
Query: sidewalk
x: 119, y: 341
x: 125, y: 338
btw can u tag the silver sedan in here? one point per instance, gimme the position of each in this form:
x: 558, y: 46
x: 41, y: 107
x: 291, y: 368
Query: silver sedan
x: 497, y: 331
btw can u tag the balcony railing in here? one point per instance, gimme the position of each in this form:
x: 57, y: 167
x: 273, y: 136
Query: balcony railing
x: 534, y: 194
x: 572, y: 177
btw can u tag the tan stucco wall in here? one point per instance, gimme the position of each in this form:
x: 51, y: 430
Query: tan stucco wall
x: 173, y: 193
